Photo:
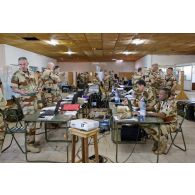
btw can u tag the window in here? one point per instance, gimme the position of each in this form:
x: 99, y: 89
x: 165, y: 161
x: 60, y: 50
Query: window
x: 193, y: 74
x: 187, y: 73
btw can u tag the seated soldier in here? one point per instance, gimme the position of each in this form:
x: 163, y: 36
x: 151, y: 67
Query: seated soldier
x: 144, y: 92
x: 167, y: 110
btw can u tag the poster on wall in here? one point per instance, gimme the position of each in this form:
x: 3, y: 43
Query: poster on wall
x: 33, y: 68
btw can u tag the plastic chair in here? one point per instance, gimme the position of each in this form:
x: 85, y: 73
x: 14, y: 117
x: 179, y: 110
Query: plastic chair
x: 179, y: 129
x: 17, y: 128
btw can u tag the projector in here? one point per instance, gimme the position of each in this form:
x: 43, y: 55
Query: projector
x: 84, y: 124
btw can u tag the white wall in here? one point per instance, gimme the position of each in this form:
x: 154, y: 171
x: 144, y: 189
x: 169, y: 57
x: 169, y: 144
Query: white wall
x: 9, y: 56
x: 169, y: 60
x: 13, y: 53
x: 91, y: 66
x: 172, y: 59
x: 2, y: 61
x: 143, y: 62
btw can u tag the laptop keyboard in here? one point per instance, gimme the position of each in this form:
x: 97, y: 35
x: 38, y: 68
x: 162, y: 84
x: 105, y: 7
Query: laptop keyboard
x: 47, y: 113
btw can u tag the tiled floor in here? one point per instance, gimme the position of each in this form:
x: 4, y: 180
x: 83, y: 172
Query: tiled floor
x: 142, y: 154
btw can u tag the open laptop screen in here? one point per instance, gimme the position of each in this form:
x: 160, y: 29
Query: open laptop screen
x: 51, y: 112
x: 75, y: 98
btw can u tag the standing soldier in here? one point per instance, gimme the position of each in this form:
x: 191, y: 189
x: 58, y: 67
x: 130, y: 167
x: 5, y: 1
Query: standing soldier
x: 3, y: 103
x: 24, y: 83
x: 136, y: 77
x: 106, y: 80
x: 40, y: 102
x: 170, y: 81
x: 96, y: 79
x: 153, y: 78
x: 49, y: 84
x: 57, y: 72
x: 111, y: 79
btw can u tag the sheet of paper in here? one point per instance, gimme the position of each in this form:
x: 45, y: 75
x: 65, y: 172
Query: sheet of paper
x: 73, y: 113
x: 128, y: 119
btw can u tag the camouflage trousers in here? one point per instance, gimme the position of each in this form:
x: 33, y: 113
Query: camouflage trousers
x: 52, y: 97
x: 165, y: 129
x: 40, y: 100
x: 29, y: 107
x: 2, y: 131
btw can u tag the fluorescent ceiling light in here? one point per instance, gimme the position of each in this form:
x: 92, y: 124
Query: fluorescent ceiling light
x: 52, y: 42
x: 139, y: 41
x: 119, y: 61
x: 69, y: 52
x: 128, y: 52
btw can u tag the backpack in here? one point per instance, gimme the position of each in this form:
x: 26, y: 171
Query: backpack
x: 14, y: 114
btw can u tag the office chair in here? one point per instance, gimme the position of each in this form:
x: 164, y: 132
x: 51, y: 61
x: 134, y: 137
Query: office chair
x: 179, y: 129
x: 17, y: 128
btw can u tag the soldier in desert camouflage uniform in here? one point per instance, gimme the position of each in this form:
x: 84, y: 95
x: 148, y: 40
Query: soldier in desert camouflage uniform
x: 24, y: 83
x: 153, y: 78
x: 3, y: 103
x: 81, y: 81
x: 170, y: 81
x: 145, y: 92
x: 49, y: 84
x: 111, y: 79
x: 167, y: 110
x: 136, y: 77
x: 96, y: 79
x: 40, y: 102
x: 106, y: 81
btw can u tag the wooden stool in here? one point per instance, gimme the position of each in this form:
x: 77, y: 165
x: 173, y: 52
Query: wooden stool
x: 84, y: 135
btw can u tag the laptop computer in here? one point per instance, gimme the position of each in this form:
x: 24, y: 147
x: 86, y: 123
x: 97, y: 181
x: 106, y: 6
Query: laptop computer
x: 51, y: 112
x: 75, y: 98
x: 121, y: 104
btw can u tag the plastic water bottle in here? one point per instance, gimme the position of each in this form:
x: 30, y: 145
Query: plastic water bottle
x: 117, y: 98
x: 112, y: 89
x: 142, y: 108
x: 132, y: 93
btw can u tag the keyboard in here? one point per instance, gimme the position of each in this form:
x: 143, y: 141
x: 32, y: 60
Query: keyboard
x: 47, y: 113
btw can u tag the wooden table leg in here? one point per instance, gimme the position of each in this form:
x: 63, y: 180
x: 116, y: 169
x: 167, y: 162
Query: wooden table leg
x: 73, y: 147
x: 83, y: 150
x: 96, y: 148
x: 86, y: 150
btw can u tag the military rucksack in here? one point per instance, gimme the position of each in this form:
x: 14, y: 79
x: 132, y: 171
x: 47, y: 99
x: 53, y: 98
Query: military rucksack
x: 14, y: 114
